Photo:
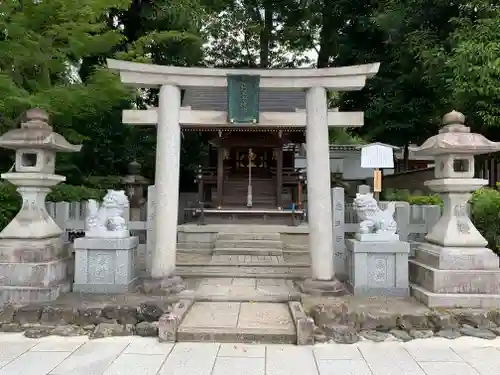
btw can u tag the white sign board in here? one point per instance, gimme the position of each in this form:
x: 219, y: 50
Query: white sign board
x: 377, y: 156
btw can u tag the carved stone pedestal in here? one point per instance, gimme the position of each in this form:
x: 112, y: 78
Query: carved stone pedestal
x: 33, y: 261
x: 33, y: 270
x: 378, y: 268
x: 452, y: 277
x: 105, y: 265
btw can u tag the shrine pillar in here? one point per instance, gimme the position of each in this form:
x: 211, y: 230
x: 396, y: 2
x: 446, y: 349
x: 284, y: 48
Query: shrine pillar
x: 318, y: 185
x: 168, y: 147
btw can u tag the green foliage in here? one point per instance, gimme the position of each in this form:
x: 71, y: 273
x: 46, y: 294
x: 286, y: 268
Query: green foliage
x: 257, y: 34
x: 342, y: 136
x: 486, y: 215
x: 104, y: 182
x: 473, y: 66
x: 10, y: 203
x: 405, y: 196
x: 42, y: 44
x: 425, y: 200
x: 73, y: 193
x: 10, y: 200
x: 485, y: 210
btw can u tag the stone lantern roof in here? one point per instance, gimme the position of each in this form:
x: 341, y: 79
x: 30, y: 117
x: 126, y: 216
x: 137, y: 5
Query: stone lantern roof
x: 456, y: 138
x: 35, y: 132
x: 134, y: 175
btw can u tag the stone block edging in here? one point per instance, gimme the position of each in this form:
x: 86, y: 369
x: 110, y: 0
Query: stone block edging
x: 304, y: 325
x: 336, y: 323
x: 169, y: 323
x: 38, y: 320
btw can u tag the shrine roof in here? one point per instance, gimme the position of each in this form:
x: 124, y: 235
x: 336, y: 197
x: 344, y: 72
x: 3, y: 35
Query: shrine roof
x: 215, y: 99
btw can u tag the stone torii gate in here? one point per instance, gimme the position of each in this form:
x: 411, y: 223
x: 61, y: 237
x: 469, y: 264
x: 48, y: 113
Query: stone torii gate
x: 169, y: 116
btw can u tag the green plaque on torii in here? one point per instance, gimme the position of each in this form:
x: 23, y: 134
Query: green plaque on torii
x: 243, y: 99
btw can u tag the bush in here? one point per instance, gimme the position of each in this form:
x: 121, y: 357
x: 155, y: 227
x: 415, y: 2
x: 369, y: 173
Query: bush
x: 10, y: 200
x: 421, y: 200
x: 485, y: 210
x: 405, y: 196
x: 10, y: 203
x: 74, y: 193
x: 396, y: 195
x: 485, y: 204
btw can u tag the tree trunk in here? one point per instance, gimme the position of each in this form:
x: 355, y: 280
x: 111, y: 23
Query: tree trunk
x: 406, y: 158
x: 327, y: 35
x: 266, y: 36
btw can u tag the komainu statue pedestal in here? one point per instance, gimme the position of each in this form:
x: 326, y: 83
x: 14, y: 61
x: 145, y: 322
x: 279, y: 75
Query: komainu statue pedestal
x: 377, y: 261
x: 105, y: 257
x: 105, y: 265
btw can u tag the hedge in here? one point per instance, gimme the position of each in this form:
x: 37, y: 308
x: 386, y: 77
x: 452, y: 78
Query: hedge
x: 485, y: 203
x: 485, y: 210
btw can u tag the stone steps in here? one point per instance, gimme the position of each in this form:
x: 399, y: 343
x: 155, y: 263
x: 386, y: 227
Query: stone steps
x: 247, y: 251
x: 247, y: 271
x: 249, y: 236
x: 246, y: 259
x: 246, y: 244
x: 246, y: 254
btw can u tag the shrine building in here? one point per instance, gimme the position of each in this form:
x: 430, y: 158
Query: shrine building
x: 256, y: 119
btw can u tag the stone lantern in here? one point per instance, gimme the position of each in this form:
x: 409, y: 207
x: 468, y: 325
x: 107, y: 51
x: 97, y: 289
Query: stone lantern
x: 135, y: 183
x: 454, y: 267
x: 33, y: 265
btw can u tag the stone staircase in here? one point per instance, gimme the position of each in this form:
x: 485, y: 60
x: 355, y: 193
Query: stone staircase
x: 241, y: 290
x: 248, y: 244
x: 254, y: 255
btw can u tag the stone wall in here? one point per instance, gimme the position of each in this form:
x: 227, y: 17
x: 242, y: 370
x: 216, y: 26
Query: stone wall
x: 409, y: 180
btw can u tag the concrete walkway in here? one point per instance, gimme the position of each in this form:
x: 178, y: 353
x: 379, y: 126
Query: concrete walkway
x: 142, y: 356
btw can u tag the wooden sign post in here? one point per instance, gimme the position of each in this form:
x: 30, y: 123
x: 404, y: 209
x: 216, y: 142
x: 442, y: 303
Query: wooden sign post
x: 377, y: 156
x: 377, y: 183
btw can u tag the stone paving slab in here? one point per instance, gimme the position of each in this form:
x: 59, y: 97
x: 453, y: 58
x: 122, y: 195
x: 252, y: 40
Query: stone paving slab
x: 146, y: 356
x: 238, y: 322
x: 212, y: 315
x: 241, y: 289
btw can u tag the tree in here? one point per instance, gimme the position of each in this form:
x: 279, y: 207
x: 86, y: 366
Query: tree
x: 41, y: 46
x: 421, y: 45
x: 165, y: 32
x: 256, y: 33
x: 472, y: 67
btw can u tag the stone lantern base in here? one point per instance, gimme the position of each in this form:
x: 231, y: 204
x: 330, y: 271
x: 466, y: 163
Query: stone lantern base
x: 33, y: 270
x: 452, y: 277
